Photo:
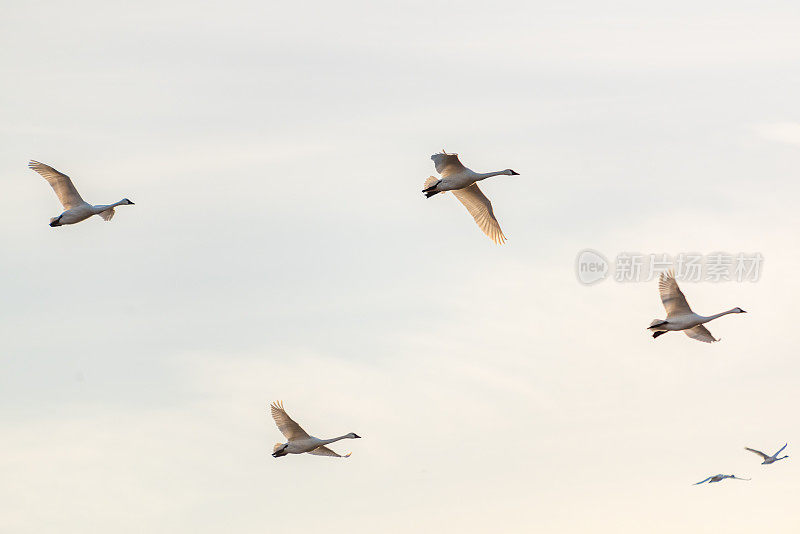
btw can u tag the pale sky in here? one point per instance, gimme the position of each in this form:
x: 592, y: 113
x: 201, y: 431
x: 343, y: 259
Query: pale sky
x: 280, y: 248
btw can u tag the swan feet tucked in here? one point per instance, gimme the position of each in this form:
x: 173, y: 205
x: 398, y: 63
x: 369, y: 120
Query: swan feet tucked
x: 430, y: 191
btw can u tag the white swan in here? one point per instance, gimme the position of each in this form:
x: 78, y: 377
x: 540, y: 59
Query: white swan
x: 299, y: 441
x: 679, y: 315
x: 717, y: 478
x: 462, y: 182
x: 769, y: 459
x: 76, y: 208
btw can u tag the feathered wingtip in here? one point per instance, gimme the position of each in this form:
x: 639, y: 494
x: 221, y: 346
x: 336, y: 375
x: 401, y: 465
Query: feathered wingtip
x: 347, y: 455
x: 667, y: 274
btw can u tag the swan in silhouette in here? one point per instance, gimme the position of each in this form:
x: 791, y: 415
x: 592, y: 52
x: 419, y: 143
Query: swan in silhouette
x: 768, y: 459
x: 299, y: 441
x: 76, y: 209
x: 679, y: 315
x: 463, y: 183
x: 717, y: 478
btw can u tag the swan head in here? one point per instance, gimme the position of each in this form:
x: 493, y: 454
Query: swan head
x: 510, y: 172
x: 738, y: 310
x: 126, y: 201
x: 353, y: 435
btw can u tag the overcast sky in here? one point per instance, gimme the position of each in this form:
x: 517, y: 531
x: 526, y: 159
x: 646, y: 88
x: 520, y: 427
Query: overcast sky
x: 280, y: 248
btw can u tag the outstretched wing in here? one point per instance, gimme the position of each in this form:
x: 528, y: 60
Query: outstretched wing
x: 700, y: 333
x: 286, y: 424
x: 446, y: 163
x: 325, y: 451
x: 780, y: 451
x: 481, y: 210
x: 671, y: 295
x: 61, y: 184
x: 737, y: 478
x: 764, y: 456
x: 107, y: 215
x: 706, y: 480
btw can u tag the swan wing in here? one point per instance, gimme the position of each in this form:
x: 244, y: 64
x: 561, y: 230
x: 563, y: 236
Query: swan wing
x: 700, y: 333
x: 737, y: 478
x: 481, y: 210
x: 706, y: 480
x: 447, y: 163
x: 671, y: 295
x: 286, y: 424
x: 764, y: 456
x: 61, y: 184
x: 780, y: 451
x: 322, y: 450
x: 107, y: 214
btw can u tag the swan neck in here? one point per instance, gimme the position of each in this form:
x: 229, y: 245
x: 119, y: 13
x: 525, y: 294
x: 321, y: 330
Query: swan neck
x: 326, y: 441
x: 715, y: 316
x: 484, y: 175
x: 103, y: 207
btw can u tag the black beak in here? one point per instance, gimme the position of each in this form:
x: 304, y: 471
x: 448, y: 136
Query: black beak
x: 513, y: 173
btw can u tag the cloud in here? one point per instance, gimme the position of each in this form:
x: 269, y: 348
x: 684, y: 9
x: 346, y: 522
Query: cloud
x: 781, y: 132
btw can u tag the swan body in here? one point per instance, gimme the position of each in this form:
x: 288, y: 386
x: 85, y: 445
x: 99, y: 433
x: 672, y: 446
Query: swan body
x: 680, y: 316
x: 463, y: 183
x: 300, y: 441
x: 717, y: 478
x: 769, y: 459
x: 76, y: 209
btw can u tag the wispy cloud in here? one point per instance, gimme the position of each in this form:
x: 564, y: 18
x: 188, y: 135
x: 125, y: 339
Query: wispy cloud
x: 780, y: 132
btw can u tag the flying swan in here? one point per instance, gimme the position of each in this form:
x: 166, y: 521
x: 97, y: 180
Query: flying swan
x: 679, y: 315
x: 462, y: 182
x: 299, y: 441
x: 717, y: 478
x: 76, y: 209
x: 769, y: 459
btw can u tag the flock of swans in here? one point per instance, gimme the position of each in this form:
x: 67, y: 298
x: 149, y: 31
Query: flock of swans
x: 463, y: 183
x: 767, y: 460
